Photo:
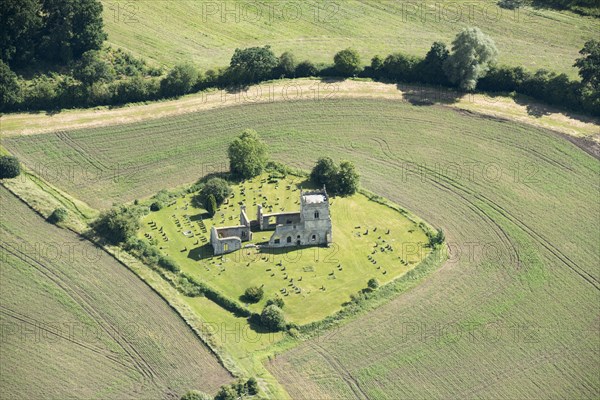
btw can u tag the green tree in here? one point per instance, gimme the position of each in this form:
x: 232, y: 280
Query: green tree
x: 436, y: 238
x: 401, y: 67
x: 511, y: 4
x: 88, y: 32
x: 347, y: 62
x: 117, y: 224
x: 472, y: 54
x: 9, y: 167
x: 347, y: 179
x: 276, y: 300
x: 216, y: 189
x: 211, y: 205
x: 179, y: 80
x: 196, y: 395
x: 339, y: 180
x: 325, y: 173
x: 227, y: 392
x: 373, y: 283
x: 20, y: 21
x: 432, y: 66
x: 253, y: 64
x: 91, y: 69
x: 273, y: 318
x: 10, y: 91
x: 69, y: 29
x: 376, y: 65
x: 252, y: 386
x: 58, y: 215
x: 253, y: 294
x: 589, y: 64
x: 306, y: 69
x: 247, y: 155
x: 286, y: 66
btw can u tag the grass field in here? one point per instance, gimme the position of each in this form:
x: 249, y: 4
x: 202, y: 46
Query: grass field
x: 314, y: 281
x: 208, y: 32
x: 75, y: 323
x: 518, y: 205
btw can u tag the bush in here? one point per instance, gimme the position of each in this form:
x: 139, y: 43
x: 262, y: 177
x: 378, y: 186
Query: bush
x: 401, y: 67
x: 347, y: 62
x: 179, y: 81
x: 247, y: 155
x: 286, y: 66
x: 117, y: 224
x: 277, y: 301
x: 436, y: 238
x: 252, y: 386
x: 373, y: 283
x: 253, y: 294
x: 347, y: 179
x: 156, y: 206
x: 306, y: 69
x: 196, y: 395
x: 215, y: 188
x: 511, y: 4
x: 168, y: 264
x: 227, y: 392
x: 91, y: 69
x: 9, y: 167
x: 273, y: 318
x: 58, y: 215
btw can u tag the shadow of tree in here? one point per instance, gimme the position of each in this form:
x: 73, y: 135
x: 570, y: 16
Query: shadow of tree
x: 422, y: 95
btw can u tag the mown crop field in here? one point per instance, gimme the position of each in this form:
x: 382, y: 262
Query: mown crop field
x: 372, y: 240
x: 512, y: 314
x: 207, y: 32
x: 75, y: 323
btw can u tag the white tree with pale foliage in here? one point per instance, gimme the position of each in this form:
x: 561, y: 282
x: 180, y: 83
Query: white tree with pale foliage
x: 473, y: 52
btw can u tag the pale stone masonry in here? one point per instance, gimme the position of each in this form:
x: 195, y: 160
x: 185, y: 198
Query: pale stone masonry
x: 311, y: 226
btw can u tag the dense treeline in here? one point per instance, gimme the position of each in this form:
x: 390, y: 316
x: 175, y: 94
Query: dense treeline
x: 583, y: 7
x: 52, y: 31
x: 113, y: 77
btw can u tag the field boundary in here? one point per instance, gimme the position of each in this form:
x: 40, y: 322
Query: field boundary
x: 517, y: 109
x: 182, y: 311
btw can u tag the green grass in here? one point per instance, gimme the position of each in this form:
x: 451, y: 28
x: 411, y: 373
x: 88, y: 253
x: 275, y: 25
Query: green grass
x: 522, y: 216
x: 325, y: 276
x: 168, y: 32
x: 77, y: 324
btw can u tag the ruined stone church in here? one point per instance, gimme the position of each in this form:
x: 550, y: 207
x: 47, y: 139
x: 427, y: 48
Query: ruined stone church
x: 309, y: 226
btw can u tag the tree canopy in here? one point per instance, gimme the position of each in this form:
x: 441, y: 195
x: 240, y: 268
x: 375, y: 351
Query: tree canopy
x: 273, y: 318
x: 433, y: 64
x: 179, y: 80
x: 347, y: 62
x: 338, y: 180
x: 247, y: 155
x: 9, y: 167
x: 286, y: 66
x: 56, y: 31
x: 252, y: 65
x: 9, y: 87
x: 589, y: 64
x: 472, y: 54
x: 213, y: 194
x: 117, y: 224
